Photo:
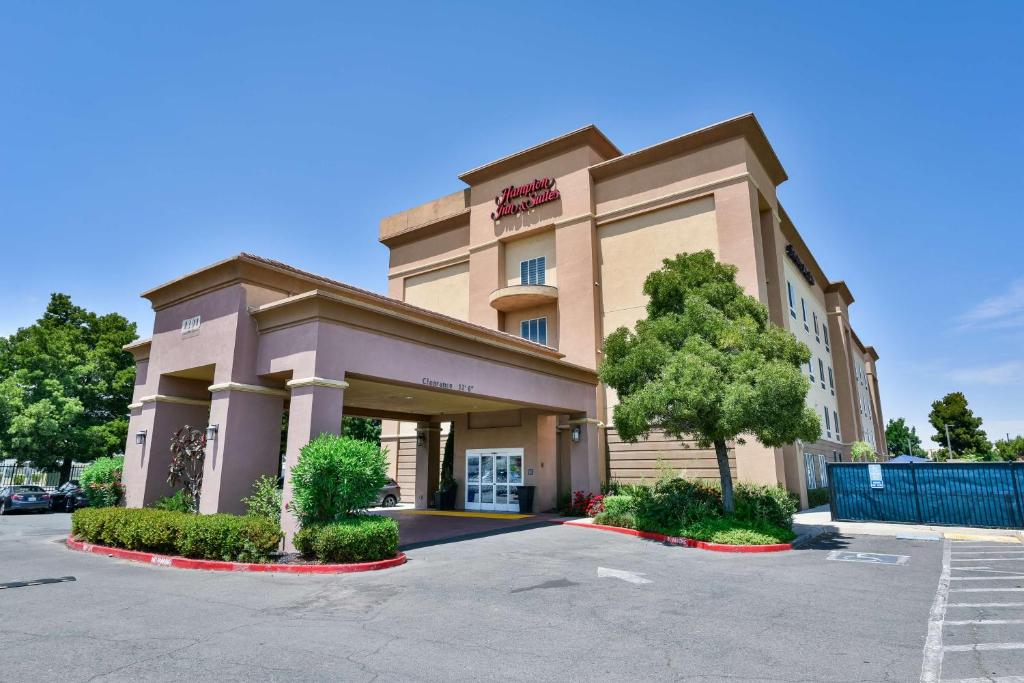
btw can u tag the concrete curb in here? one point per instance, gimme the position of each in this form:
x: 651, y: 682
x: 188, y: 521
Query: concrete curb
x: 681, y: 541
x: 221, y: 566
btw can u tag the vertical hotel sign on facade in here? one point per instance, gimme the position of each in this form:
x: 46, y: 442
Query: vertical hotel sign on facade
x: 516, y: 199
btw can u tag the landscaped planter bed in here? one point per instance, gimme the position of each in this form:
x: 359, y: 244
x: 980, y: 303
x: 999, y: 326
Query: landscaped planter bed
x: 681, y: 541
x: 298, y: 567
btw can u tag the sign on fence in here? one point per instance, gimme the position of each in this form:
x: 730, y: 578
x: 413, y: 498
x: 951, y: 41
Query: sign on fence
x: 875, y: 476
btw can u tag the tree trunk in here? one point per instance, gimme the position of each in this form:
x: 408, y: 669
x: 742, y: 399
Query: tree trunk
x: 65, y: 469
x: 725, y: 474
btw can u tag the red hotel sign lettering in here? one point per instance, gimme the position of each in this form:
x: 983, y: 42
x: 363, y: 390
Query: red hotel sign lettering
x: 532, y: 194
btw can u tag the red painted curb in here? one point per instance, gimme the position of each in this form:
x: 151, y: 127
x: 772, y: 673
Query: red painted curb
x: 684, y: 542
x: 220, y: 566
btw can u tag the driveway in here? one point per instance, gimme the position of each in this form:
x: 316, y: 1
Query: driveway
x: 545, y: 603
x: 421, y: 528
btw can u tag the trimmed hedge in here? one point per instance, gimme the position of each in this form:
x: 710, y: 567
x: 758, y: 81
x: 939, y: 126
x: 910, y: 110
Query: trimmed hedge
x: 207, y: 537
x: 619, y: 510
x: 359, y: 538
x: 732, y: 531
x: 761, y: 504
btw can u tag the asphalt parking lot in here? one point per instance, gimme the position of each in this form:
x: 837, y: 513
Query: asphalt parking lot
x: 548, y: 603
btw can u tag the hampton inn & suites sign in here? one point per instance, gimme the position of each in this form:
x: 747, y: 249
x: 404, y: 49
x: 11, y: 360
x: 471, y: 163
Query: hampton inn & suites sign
x: 516, y: 199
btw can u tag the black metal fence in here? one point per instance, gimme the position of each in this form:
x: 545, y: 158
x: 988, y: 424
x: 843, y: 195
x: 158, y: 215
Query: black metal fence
x: 27, y: 474
x: 981, y: 494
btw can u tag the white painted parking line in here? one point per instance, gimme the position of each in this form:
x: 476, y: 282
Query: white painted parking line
x: 986, y: 590
x: 985, y: 604
x: 931, y: 664
x: 988, y: 552
x: 995, y: 679
x: 988, y: 570
x: 983, y: 647
x: 988, y: 559
x: 985, y: 622
x: 1017, y: 577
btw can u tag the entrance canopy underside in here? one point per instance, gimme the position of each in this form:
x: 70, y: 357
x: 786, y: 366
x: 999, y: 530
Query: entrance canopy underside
x: 374, y: 398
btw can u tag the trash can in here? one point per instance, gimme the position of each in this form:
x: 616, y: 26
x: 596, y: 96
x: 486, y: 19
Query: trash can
x: 526, y: 498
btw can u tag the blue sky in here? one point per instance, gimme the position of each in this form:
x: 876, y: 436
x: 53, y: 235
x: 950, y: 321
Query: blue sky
x: 139, y: 142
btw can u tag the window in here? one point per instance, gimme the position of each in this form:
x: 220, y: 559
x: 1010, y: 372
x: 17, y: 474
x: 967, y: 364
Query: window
x: 531, y: 271
x: 821, y: 372
x: 536, y: 330
x: 803, y: 307
x: 824, y: 332
x: 836, y: 457
x: 792, y: 299
x: 831, y: 381
x: 822, y: 470
x: 816, y: 337
x: 828, y: 425
x: 809, y: 467
x: 810, y: 371
x: 835, y: 419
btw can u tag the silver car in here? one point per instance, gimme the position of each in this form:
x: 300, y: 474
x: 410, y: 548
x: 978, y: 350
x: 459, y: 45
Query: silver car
x: 390, y: 494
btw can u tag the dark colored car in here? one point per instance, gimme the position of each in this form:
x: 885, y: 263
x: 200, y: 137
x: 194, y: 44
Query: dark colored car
x: 68, y: 497
x: 390, y: 494
x: 27, y: 498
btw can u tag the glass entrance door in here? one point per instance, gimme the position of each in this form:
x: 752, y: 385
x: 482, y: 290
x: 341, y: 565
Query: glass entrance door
x: 493, y: 478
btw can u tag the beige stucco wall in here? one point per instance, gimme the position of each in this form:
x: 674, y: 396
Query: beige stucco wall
x: 632, y: 248
x: 535, y: 246
x: 445, y: 290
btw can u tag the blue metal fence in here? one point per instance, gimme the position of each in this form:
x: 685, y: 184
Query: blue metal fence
x: 982, y: 494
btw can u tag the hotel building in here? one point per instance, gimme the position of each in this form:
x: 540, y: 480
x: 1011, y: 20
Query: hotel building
x: 553, y: 244
x: 499, y: 297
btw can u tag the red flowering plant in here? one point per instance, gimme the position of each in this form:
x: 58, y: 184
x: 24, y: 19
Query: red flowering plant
x: 585, y: 504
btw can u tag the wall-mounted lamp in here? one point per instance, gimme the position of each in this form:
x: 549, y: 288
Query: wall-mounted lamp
x: 577, y: 433
x: 140, y: 437
x: 211, y: 432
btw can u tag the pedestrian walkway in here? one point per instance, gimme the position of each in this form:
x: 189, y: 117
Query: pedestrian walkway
x: 819, y: 520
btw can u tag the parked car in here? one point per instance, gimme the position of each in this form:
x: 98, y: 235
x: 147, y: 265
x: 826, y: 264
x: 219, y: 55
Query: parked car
x: 68, y: 497
x: 28, y: 498
x: 390, y: 494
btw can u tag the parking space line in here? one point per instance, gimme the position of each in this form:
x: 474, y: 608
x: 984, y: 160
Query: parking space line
x: 1016, y: 577
x: 994, y: 679
x: 985, y: 604
x: 983, y: 647
x: 988, y: 552
x: 931, y: 664
x: 985, y: 622
x: 986, y: 590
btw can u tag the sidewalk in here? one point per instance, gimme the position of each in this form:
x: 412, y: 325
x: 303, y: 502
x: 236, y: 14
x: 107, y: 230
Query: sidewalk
x: 817, y: 521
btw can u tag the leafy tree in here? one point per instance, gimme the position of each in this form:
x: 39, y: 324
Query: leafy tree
x: 1010, y: 449
x: 861, y: 451
x: 902, y: 438
x: 707, y: 363
x: 362, y: 428
x: 65, y: 385
x: 965, y: 434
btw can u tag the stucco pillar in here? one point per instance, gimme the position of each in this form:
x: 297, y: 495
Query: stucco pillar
x: 584, y: 457
x: 428, y: 452
x: 247, y: 444
x: 146, y: 464
x: 316, y: 408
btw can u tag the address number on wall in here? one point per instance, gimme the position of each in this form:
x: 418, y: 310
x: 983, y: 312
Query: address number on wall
x: 190, y: 326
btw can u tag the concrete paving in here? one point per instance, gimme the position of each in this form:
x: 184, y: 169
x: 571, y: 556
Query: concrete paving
x: 546, y: 603
x: 817, y: 521
x: 420, y: 528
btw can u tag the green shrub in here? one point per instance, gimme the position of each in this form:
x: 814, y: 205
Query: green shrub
x: 764, y: 504
x: 265, y: 500
x: 229, y: 537
x: 674, y: 502
x: 336, y: 476
x: 179, y: 502
x: 19, y: 479
x: 211, y: 537
x: 619, y: 510
x: 732, y: 531
x: 101, y: 481
x: 816, y: 497
x: 359, y: 538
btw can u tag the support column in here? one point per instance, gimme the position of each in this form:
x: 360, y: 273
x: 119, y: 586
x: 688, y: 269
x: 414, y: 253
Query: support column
x: 146, y: 464
x: 428, y: 453
x: 316, y: 408
x: 246, y: 446
x: 583, y: 455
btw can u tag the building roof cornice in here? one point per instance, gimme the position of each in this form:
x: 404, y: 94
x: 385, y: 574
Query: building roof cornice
x: 744, y: 126
x: 588, y: 135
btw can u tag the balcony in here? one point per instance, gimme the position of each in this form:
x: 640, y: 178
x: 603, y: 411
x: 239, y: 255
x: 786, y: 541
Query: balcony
x: 517, y: 297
